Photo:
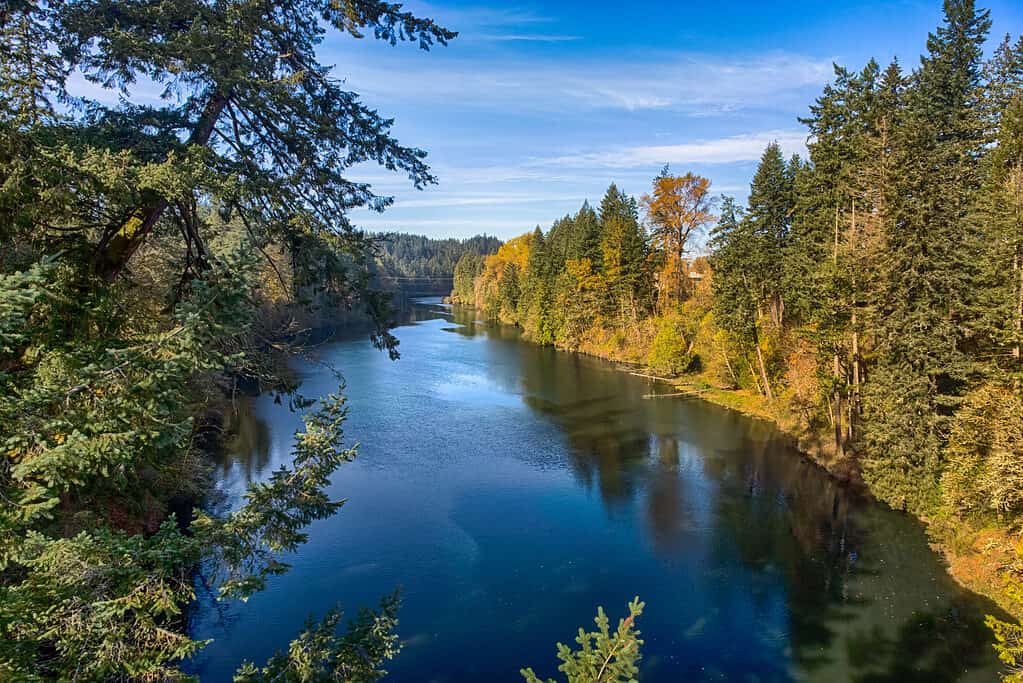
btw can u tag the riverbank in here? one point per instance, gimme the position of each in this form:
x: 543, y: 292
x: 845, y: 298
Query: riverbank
x: 983, y: 559
x: 554, y: 475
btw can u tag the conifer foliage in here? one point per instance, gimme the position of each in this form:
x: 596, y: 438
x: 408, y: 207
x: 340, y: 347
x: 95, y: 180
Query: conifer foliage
x: 603, y: 656
x: 871, y: 293
x: 148, y: 251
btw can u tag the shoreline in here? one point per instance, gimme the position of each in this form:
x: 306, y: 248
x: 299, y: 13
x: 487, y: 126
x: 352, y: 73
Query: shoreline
x: 976, y: 570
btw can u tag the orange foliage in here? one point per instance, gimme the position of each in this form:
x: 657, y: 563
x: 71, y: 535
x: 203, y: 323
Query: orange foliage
x: 582, y: 273
x: 678, y: 207
x: 515, y: 250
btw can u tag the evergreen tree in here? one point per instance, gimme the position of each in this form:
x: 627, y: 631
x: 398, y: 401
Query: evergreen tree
x: 1003, y: 79
x: 769, y: 214
x: 536, y: 300
x: 106, y: 369
x: 928, y: 272
x: 508, y: 290
x: 603, y: 656
x: 468, y: 268
x: 246, y: 97
x: 736, y: 293
x: 998, y: 223
x: 560, y: 238
x: 624, y: 255
x: 586, y: 237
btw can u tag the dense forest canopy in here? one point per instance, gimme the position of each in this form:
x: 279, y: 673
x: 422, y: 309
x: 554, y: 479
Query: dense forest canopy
x: 872, y: 293
x: 152, y: 254
x: 399, y: 255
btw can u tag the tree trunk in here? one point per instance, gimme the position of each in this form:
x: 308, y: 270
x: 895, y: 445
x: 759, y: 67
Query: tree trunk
x: 836, y: 363
x: 728, y: 364
x: 119, y: 244
x: 763, y: 371
x: 1016, y: 181
x: 836, y: 371
x: 1017, y: 322
x: 854, y: 401
x: 753, y: 374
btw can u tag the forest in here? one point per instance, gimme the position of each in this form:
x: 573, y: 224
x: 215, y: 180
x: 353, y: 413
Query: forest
x: 416, y: 265
x: 869, y: 297
x: 418, y: 256
x: 156, y: 261
x: 161, y: 257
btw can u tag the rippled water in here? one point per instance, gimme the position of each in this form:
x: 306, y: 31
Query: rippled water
x: 509, y: 489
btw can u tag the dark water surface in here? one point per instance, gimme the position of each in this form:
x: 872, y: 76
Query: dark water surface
x: 510, y: 489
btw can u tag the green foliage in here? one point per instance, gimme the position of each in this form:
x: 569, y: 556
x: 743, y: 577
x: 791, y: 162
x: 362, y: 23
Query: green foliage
x: 875, y: 289
x: 508, y: 289
x: 927, y: 276
x: 984, y: 468
x: 248, y: 541
x: 902, y: 440
x: 624, y: 257
x: 467, y: 269
x: 670, y: 352
x: 735, y: 301
x: 102, y: 604
x: 142, y: 248
x: 414, y: 256
x: 321, y: 655
x: 1009, y: 644
x: 603, y: 656
x: 111, y: 601
x: 97, y: 425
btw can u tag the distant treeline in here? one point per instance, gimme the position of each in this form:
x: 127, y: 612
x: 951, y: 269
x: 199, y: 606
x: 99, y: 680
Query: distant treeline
x: 872, y: 293
x: 418, y: 256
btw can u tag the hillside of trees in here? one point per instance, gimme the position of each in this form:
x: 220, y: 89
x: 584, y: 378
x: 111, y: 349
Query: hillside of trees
x: 871, y: 295
x: 403, y: 255
x: 412, y: 265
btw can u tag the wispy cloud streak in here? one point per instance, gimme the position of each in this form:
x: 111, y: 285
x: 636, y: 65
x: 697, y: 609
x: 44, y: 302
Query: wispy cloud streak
x: 732, y: 149
x: 527, y: 37
x: 693, y: 84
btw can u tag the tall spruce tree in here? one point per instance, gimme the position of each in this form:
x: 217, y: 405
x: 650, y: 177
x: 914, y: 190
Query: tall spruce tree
x: 929, y: 274
x: 585, y: 241
x: 737, y: 305
x: 769, y: 215
x: 999, y: 226
x: 537, y: 292
x: 624, y: 255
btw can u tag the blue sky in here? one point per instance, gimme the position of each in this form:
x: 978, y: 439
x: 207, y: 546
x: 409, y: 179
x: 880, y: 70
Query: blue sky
x: 536, y: 107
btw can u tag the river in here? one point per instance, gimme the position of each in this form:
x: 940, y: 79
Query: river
x: 509, y: 489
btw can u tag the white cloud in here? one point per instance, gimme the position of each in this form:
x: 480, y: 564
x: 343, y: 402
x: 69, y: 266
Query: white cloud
x: 725, y: 150
x: 455, y: 226
x: 699, y: 85
x: 479, y: 200
x: 527, y: 37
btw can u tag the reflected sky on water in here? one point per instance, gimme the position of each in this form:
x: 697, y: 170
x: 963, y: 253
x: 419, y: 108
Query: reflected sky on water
x: 509, y: 489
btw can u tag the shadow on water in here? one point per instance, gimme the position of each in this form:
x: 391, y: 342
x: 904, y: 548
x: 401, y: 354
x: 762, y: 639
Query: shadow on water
x: 513, y: 488
x: 868, y: 599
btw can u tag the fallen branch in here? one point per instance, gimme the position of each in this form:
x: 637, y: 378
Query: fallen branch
x: 691, y: 392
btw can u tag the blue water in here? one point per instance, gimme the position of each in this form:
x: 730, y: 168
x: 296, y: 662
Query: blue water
x: 509, y: 489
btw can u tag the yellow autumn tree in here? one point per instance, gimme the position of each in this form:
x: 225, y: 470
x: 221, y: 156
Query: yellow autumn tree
x: 678, y: 207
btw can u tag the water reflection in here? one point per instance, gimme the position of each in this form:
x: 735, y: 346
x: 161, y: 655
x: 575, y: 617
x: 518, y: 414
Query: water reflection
x: 248, y: 443
x: 511, y: 488
x: 867, y: 600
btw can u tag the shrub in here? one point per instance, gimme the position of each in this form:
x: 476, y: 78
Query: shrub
x: 670, y: 353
